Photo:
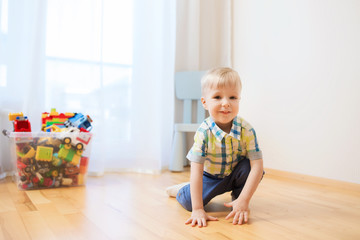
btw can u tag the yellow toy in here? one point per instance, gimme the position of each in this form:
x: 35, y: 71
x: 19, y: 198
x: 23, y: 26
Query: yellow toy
x: 13, y: 116
x: 44, y: 153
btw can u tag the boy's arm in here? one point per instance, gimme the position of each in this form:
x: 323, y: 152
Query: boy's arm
x: 198, y: 215
x: 240, y: 206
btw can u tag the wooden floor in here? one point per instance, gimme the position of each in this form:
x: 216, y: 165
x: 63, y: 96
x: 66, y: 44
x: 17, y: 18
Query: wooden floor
x: 135, y: 206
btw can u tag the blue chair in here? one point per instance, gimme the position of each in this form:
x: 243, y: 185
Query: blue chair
x: 187, y: 89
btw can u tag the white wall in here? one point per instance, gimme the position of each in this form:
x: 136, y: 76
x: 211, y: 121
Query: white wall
x: 300, y: 65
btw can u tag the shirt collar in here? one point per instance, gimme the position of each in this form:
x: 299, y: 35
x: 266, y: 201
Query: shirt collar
x: 219, y: 134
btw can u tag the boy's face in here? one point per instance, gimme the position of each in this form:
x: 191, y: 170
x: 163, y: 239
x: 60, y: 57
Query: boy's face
x: 222, y: 104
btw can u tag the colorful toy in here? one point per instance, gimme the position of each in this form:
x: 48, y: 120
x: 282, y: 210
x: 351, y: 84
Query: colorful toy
x: 51, y: 160
x: 54, y: 118
x: 44, y: 153
x: 84, y: 162
x: 79, y: 121
x: 69, y: 155
x: 56, y: 161
x: 53, y: 128
x: 20, y: 123
x: 66, y: 181
x: 26, y: 152
x: 77, y: 138
x: 13, y: 116
x: 41, y: 165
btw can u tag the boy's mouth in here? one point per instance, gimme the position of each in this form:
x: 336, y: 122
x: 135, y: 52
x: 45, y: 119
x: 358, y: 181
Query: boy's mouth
x: 225, y: 112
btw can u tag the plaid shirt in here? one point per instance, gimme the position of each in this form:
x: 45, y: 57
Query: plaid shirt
x: 219, y: 151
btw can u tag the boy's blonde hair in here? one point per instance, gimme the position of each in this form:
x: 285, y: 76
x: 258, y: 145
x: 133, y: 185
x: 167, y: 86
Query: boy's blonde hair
x: 220, y: 77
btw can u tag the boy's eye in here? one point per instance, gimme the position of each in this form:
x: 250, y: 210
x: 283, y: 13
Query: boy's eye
x: 216, y: 97
x: 233, y: 97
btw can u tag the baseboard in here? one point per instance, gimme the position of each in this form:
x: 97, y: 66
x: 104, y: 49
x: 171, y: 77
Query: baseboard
x: 316, y: 180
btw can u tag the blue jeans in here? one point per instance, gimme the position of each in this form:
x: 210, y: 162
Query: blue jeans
x: 213, y: 186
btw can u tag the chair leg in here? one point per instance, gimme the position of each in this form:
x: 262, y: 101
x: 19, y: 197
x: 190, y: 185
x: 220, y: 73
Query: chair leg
x: 178, y: 152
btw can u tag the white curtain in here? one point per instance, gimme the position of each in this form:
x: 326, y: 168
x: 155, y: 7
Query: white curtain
x: 204, y: 34
x: 203, y: 39
x: 112, y: 60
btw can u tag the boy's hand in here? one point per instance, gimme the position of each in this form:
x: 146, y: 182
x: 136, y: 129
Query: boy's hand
x: 199, y: 217
x: 240, y: 211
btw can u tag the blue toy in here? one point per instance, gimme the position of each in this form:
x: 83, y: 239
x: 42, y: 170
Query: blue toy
x: 79, y: 121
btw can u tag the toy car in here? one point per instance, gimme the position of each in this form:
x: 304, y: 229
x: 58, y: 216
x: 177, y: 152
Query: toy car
x: 69, y: 155
x: 75, y: 137
x: 79, y: 121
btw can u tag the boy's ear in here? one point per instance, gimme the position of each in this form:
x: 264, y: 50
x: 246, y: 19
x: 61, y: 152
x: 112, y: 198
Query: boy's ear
x: 204, y: 103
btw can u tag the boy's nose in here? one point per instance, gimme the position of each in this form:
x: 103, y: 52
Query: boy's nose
x: 225, y: 102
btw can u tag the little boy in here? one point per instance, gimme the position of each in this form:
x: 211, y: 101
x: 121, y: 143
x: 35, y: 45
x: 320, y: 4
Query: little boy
x: 225, y: 155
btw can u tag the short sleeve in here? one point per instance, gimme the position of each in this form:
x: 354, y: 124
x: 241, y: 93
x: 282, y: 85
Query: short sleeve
x: 198, y: 151
x: 252, y: 145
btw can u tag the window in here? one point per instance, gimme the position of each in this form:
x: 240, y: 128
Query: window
x: 4, y: 16
x: 3, y: 34
x: 3, y: 74
x: 89, y: 60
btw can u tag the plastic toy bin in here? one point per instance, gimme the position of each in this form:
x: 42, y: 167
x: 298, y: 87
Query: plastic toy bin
x: 50, y: 159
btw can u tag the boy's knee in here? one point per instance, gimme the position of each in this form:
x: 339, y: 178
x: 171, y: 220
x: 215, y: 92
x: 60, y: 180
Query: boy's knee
x: 184, y: 198
x: 240, y: 174
x: 243, y: 170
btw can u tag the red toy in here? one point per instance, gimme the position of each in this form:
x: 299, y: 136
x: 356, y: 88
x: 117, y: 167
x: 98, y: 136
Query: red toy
x: 21, y: 123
